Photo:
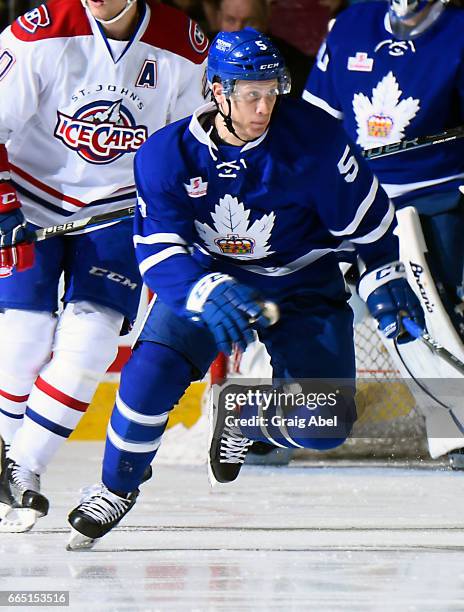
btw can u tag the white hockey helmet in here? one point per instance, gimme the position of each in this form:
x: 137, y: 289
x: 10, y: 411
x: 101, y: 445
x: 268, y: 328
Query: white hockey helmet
x: 409, y: 18
x: 129, y: 3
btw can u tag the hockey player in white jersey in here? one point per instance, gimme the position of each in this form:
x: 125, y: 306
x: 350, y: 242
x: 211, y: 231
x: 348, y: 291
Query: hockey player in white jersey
x: 394, y: 71
x: 247, y: 202
x: 83, y: 85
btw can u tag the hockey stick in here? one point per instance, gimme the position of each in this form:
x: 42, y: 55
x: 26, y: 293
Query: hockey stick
x: 125, y: 213
x: 81, y: 224
x: 415, y: 331
x: 219, y: 367
x: 414, y: 143
x: 271, y: 312
x: 427, y: 391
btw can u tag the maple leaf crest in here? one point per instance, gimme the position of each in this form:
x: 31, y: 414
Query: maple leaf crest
x: 383, y: 118
x: 232, y: 234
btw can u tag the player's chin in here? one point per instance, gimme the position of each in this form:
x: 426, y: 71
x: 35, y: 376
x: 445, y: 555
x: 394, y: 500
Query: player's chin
x: 257, y: 129
x: 100, y: 9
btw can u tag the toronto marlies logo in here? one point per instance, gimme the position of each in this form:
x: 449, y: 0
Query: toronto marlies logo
x: 383, y: 118
x: 233, y: 236
x: 101, y: 132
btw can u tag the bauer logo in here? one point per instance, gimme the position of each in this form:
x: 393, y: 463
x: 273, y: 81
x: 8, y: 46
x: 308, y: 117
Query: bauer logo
x: 37, y: 18
x: 101, y: 132
x: 421, y: 281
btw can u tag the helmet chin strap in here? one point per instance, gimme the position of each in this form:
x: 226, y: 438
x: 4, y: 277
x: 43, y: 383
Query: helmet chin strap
x: 229, y: 123
x: 128, y: 6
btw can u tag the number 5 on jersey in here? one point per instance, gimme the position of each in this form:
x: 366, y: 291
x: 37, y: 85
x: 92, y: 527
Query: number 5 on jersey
x: 348, y: 166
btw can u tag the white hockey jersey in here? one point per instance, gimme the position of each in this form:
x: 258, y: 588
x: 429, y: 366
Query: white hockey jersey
x: 75, y: 106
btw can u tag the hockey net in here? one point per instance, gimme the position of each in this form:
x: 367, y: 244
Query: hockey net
x: 389, y: 424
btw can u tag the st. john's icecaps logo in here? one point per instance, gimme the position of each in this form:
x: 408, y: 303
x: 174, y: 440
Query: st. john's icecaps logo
x: 101, y: 132
x: 233, y: 235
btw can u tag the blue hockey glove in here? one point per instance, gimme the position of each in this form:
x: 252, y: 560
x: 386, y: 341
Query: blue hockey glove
x: 228, y: 309
x: 390, y: 298
x: 16, y: 243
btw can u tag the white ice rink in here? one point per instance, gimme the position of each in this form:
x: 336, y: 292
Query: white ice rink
x: 332, y: 538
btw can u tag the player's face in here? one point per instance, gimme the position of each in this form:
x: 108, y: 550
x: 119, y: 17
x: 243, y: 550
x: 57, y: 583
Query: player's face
x: 252, y: 103
x: 106, y: 9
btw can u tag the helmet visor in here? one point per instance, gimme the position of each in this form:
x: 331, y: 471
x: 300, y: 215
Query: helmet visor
x: 409, y: 19
x: 282, y: 85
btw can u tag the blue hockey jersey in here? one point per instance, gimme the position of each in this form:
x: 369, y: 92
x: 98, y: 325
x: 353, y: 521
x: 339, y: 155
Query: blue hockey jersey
x: 272, y: 213
x: 385, y: 90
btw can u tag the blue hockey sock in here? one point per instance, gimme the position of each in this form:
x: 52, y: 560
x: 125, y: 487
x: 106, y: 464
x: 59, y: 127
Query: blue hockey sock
x: 152, y: 382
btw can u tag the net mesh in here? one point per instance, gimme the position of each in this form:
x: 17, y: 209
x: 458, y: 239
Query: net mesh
x: 389, y: 424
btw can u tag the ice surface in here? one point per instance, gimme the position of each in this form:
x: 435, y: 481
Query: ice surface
x: 322, y: 538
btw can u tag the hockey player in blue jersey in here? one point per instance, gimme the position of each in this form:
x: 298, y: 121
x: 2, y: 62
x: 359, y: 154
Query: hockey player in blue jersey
x: 247, y: 201
x: 394, y: 71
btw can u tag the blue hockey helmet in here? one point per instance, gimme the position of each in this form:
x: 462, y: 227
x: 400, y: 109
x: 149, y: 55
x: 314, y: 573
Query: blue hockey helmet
x: 246, y: 55
x: 409, y: 18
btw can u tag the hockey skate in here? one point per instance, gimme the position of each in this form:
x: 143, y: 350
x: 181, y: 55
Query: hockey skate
x: 228, y: 447
x: 97, y: 513
x: 5, y: 499
x: 20, y: 498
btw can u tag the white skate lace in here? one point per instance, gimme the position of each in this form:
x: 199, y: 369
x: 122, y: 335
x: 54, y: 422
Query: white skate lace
x: 24, y: 479
x: 234, y: 446
x: 102, y: 505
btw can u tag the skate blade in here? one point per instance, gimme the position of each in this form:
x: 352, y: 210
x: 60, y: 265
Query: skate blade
x: 19, y: 520
x: 78, y: 541
x: 4, y: 509
x: 212, y: 480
